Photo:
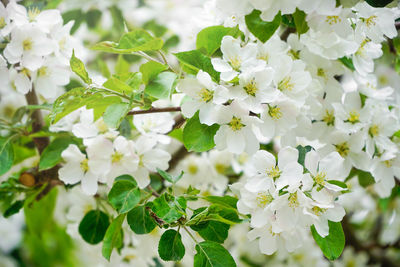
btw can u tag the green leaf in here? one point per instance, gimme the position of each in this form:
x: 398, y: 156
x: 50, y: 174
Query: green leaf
x: 150, y: 70
x: 124, y: 196
x: 199, y: 137
x: 299, y: 18
x: 170, y: 247
x: 338, y: 183
x: 378, y: 3
x: 6, y: 155
x: 302, y: 153
x: 210, y: 38
x: 162, y: 86
x: 78, y: 67
x: 115, y: 113
x: 348, y: 62
x: 113, y: 237
x: 365, y: 179
x: 135, y: 41
x: 226, y: 201
x: 170, y: 178
x: 212, y: 254
x: 93, y: 226
x: 263, y: 30
x: 14, y: 208
x: 93, y: 17
x: 193, y: 61
x: 209, y: 230
x: 140, y: 221
x: 51, y: 155
x: 333, y: 244
x: 167, y: 208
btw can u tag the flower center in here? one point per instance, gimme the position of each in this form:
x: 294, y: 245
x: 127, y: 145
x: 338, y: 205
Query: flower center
x: 116, y: 157
x: 206, y: 95
x: 294, y: 54
x: 329, y: 118
x: 333, y: 19
x: 236, y: 62
x: 321, y: 73
x: 286, y: 84
x: 251, y: 88
x: 388, y: 163
x: 371, y: 21
x: 193, y: 169
x: 236, y: 124
x: 33, y: 13
x: 275, y: 112
x: 84, y: 165
x: 343, y: 149
x: 2, y: 23
x: 373, y: 130
x: 220, y: 168
x: 101, y: 126
x: 320, y: 178
x: 43, y: 71
x: 27, y: 44
x: 318, y: 211
x: 293, y: 201
x: 354, y: 117
x: 263, y: 199
x: 274, y: 172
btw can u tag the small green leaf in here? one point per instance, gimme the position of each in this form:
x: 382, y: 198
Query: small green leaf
x: 333, y: 244
x: 6, y: 155
x: 209, y: 39
x: 14, y: 208
x: 93, y: 226
x: 299, y: 18
x: 209, y: 230
x: 162, y: 86
x: 167, y: 208
x: 170, y: 178
x: 124, y: 196
x: 124, y: 84
x: 51, y: 155
x: 199, y: 137
x: 115, y: 113
x: 150, y: 70
x: 303, y: 150
x: 348, y: 62
x: 212, y: 254
x: 170, y: 247
x: 135, y: 41
x: 78, y: 67
x: 113, y: 237
x: 93, y: 17
x: 338, y: 183
x: 263, y: 30
x: 193, y: 61
x: 365, y: 179
x: 140, y: 221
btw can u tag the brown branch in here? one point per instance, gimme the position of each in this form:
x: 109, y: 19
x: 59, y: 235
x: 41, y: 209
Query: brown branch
x: 177, y: 157
x: 155, y: 110
x: 397, y: 24
x: 37, y: 121
x: 5, y: 2
x: 287, y: 32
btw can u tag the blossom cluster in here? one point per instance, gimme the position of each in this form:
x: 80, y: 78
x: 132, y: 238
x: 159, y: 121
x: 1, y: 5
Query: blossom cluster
x: 109, y: 154
x: 37, y: 50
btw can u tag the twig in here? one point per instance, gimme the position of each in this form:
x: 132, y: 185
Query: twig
x: 155, y: 110
x: 177, y: 157
x: 286, y: 33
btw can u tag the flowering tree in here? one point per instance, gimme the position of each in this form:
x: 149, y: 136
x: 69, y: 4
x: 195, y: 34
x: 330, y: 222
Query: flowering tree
x: 192, y: 133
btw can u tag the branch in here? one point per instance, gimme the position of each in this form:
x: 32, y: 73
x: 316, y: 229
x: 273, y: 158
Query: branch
x: 155, y: 110
x: 286, y: 33
x: 37, y: 121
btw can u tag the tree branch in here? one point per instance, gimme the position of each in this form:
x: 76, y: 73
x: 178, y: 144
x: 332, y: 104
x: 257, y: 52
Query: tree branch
x: 155, y: 110
x: 37, y: 121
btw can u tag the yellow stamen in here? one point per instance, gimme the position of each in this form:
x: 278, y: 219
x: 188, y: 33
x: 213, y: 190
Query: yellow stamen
x: 275, y: 112
x: 343, y: 149
x: 373, y: 130
x: 329, y: 118
x: 84, y: 165
x: 27, y: 44
x: 354, y: 117
x: 274, y: 172
x: 251, y: 88
x: 236, y: 124
x: 116, y: 157
x: 263, y: 199
x: 293, y: 201
x: 286, y: 84
x: 206, y: 95
x: 333, y: 19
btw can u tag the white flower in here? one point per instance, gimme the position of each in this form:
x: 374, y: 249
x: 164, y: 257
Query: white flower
x: 28, y: 45
x: 235, y: 58
x: 88, y: 128
x: 385, y: 169
x: 205, y: 96
x: 270, y: 8
x: 374, y: 23
x: 363, y: 59
x: 323, y: 170
x: 77, y: 169
x: 63, y: 41
x: 155, y: 125
x: 150, y: 159
x: 236, y: 131
x: 278, y: 118
x: 273, y: 48
x: 50, y: 76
